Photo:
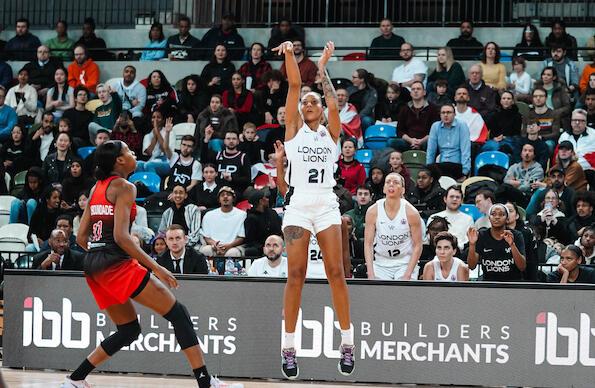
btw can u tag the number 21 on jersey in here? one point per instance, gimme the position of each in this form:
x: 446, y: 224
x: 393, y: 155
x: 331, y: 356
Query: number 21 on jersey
x: 316, y: 176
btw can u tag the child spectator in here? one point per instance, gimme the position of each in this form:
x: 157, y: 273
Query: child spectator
x: 250, y: 145
x: 520, y: 81
x: 440, y: 96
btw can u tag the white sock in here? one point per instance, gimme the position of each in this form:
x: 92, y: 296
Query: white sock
x: 347, y: 337
x: 288, y: 340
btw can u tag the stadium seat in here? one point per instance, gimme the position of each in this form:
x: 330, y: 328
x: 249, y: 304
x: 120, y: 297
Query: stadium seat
x: 472, y: 180
x: 446, y: 182
x: 5, y: 202
x: 496, y: 158
x: 472, y: 210
x: 181, y: 130
x: 84, y: 152
x: 357, y: 56
x: 414, y: 169
x: 18, y: 182
x: 216, y: 145
x: 343, y: 82
x: 244, y: 205
x: 364, y: 156
x: 149, y: 179
x: 13, y: 237
x: 381, y: 131
x: 413, y: 157
x: 92, y: 105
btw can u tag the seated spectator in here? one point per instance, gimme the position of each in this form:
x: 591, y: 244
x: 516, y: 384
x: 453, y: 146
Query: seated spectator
x: 388, y: 108
x: 437, y: 225
x: 584, y: 203
x: 22, y: 208
x: 570, y: 269
x: 186, y: 215
x: 413, y: 69
x: 521, y: 178
x: 276, y: 132
x: 194, y: 98
x: 273, y: 264
x: 44, y: 217
x: 217, y: 118
x: 79, y: 117
x: 61, y: 45
x: 549, y: 222
x: 388, y: 44
x: 83, y: 71
x: 92, y: 42
x: 587, y: 80
x: 156, y: 145
x: 484, y: 201
x: 107, y: 113
x: 204, y: 195
x: 158, y: 245
x: 226, y: 35
x: 64, y: 223
x: 582, y: 138
x: 22, y: 46
x: 566, y: 161
x: 185, y: 170
x: 395, y: 164
x: 5, y: 75
x: 532, y: 136
x: 520, y: 80
x: 232, y: 164
x: 55, y: 166
x: 459, y: 222
x: 160, y: 95
x: 363, y: 96
x: 8, y: 117
x: 344, y: 196
x: 557, y: 98
x: 558, y: 37
x: 464, y: 112
x: 177, y: 258
x: 548, y: 121
x: 251, y: 145
x: 445, y: 266
x: 356, y: 217
x: 240, y: 101
x: 81, y: 205
x: 351, y: 125
x: 59, y: 256
x: 183, y: 40
x: 272, y: 98
x: 415, y: 121
x: 465, y: 46
x: 23, y: 99
x: 15, y: 153
x: 590, y: 105
x: 493, y: 72
x: 426, y: 195
x: 261, y: 221
x: 447, y: 69
x: 440, y: 96
x: 217, y: 73
x: 481, y: 97
x: 223, y: 228
x: 132, y: 93
x: 505, y: 125
x: 530, y: 47
x: 555, y: 182
x: 125, y: 130
x: 500, y: 251
x: 60, y: 96
x: 352, y: 171
x: 449, y: 137
x: 586, y: 242
x: 156, y: 41
x: 375, y: 182
x: 307, y: 68
x: 284, y: 32
x: 41, y: 71
x: 76, y: 180
x: 254, y: 70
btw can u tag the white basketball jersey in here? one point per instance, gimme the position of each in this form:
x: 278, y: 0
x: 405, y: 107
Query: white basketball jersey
x: 315, y: 263
x: 452, y: 276
x: 311, y: 156
x: 392, y: 243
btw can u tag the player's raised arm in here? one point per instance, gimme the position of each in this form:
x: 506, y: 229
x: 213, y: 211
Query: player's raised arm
x: 330, y: 95
x: 293, y: 120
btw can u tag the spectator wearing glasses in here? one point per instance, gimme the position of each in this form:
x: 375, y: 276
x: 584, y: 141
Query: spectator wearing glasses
x: 582, y: 139
x: 83, y: 71
x: 413, y: 69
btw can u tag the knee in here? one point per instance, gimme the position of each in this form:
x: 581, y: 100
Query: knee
x: 130, y: 332
x: 335, y: 273
x: 296, y: 275
x: 180, y: 320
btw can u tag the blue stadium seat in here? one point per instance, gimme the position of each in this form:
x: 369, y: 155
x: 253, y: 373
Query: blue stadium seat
x: 84, y: 152
x: 216, y: 145
x: 382, y: 131
x: 496, y: 158
x: 364, y: 156
x: 150, y: 179
x: 471, y: 210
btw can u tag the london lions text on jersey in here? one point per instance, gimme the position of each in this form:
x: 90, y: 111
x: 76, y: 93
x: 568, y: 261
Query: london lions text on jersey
x: 392, y: 243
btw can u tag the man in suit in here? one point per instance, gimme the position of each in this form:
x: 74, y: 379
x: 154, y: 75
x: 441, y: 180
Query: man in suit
x: 179, y: 258
x: 59, y: 256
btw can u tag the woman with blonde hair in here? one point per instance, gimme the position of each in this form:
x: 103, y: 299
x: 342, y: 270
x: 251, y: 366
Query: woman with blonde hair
x: 448, y: 69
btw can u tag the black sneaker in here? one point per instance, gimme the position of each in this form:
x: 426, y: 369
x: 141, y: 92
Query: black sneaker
x: 347, y: 362
x: 289, y: 365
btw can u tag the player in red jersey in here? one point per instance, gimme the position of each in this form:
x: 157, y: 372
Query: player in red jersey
x: 115, y: 278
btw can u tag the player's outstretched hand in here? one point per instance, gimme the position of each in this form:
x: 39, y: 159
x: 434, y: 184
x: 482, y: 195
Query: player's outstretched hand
x: 283, y: 48
x: 279, y: 149
x: 327, y: 53
x: 166, y: 277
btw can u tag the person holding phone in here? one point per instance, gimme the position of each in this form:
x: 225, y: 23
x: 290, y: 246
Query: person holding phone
x: 549, y: 222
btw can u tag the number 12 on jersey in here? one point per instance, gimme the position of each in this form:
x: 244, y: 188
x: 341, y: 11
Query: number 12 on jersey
x: 316, y: 176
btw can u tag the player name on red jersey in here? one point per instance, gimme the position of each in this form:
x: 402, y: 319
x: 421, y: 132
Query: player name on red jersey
x: 102, y: 210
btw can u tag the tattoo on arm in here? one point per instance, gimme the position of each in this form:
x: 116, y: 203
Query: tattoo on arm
x: 328, y: 88
x: 292, y: 233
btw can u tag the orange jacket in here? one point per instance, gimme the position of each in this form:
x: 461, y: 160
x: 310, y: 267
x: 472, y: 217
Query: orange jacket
x: 584, y: 81
x: 86, y: 75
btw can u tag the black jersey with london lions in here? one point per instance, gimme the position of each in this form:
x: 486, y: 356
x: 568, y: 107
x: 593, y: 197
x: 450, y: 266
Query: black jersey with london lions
x: 496, y: 258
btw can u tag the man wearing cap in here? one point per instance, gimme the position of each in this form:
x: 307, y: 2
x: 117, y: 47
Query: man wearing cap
x: 273, y: 264
x: 261, y: 222
x: 223, y: 228
x: 567, y: 162
x: 582, y: 139
x: 555, y: 181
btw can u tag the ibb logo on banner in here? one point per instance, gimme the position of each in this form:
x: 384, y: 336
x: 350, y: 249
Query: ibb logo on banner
x: 322, y: 335
x: 61, y: 325
x: 579, y: 341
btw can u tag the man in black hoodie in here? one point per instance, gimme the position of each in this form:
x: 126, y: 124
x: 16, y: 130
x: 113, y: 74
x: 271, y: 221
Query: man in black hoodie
x: 465, y: 46
x: 260, y: 223
x: 227, y: 35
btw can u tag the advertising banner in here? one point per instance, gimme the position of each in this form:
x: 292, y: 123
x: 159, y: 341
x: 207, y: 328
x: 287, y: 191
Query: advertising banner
x: 405, y: 332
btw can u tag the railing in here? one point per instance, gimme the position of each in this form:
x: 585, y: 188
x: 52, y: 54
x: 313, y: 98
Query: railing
x: 129, y: 13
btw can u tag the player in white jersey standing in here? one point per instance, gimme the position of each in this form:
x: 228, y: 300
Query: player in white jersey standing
x: 311, y: 205
x: 445, y: 267
x: 392, y: 237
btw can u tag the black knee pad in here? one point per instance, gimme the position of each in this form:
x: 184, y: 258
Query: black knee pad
x: 180, y: 320
x: 125, y: 335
